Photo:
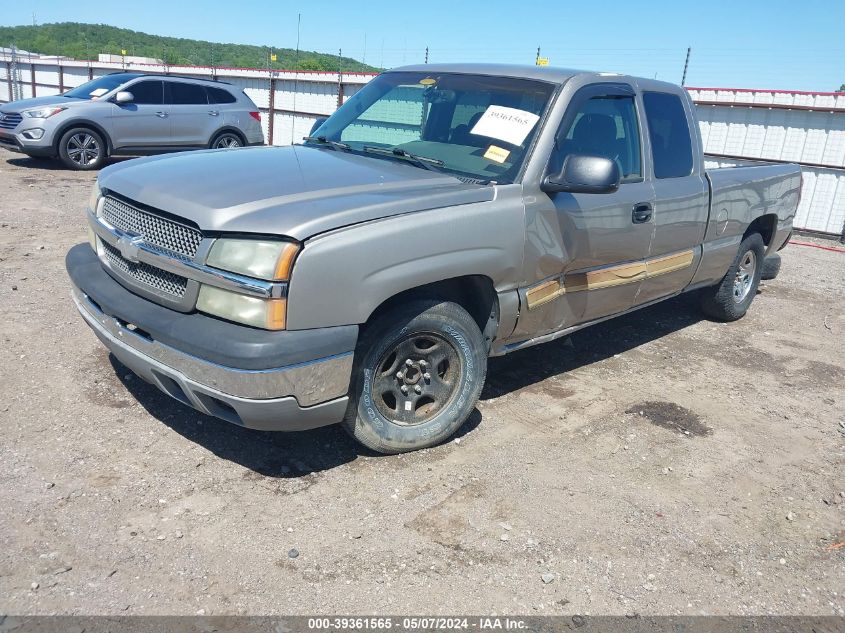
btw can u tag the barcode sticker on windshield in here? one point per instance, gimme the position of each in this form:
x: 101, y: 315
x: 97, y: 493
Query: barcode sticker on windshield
x: 496, y: 154
x: 506, y: 124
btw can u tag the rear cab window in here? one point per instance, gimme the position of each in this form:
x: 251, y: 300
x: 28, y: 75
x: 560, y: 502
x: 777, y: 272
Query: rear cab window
x: 668, y: 128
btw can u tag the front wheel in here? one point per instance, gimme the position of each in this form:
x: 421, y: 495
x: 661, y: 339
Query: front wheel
x: 419, y: 370
x: 82, y: 149
x: 730, y: 299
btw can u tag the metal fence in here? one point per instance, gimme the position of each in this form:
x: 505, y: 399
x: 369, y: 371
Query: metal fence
x: 738, y: 126
x: 289, y: 101
x: 745, y: 126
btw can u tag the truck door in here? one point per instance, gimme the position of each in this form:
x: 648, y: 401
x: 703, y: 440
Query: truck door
x: 682, y: 196
x: 588, y: 249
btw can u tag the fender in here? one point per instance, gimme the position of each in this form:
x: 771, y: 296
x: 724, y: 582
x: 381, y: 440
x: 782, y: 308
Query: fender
x: 80, y: 122
x: 342, y: 276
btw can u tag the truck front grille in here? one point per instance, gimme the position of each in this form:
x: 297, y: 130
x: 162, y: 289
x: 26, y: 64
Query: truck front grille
x: 10, y: 120
x: 173, y: 237
x: 161, y: 280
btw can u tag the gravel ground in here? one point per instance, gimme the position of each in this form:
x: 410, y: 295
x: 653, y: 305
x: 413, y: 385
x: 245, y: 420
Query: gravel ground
x: 658, y: 463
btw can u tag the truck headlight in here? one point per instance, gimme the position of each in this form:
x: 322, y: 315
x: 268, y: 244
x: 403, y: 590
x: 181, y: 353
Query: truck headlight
x: 94, y: 197
x: 93, y: 201
x: 264, y: 259
x: 268, y: 314
x: 270, y: 260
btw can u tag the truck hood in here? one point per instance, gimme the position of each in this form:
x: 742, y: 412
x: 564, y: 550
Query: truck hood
x: 297, y: 191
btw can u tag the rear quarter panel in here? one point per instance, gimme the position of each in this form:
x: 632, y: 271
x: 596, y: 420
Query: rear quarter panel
x: 740, y: 195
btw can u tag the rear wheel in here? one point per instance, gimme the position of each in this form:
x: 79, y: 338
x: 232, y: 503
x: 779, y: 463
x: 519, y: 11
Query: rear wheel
x: 82, y: 149
x: 419, y: 370
x: 731, y: 298
x: 226, y: 140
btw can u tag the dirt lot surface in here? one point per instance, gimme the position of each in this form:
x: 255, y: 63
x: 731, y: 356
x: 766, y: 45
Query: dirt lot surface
x: 658, y: 463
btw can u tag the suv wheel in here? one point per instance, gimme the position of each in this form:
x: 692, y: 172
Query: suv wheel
x: 82, y: 148
x: 731, y: 298
x: 419, y: 370
x: 226, y: 140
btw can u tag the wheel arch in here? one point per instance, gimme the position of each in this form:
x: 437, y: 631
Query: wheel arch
x: 227, y: 128
x: 766, y: 225
x: 474, y: 293
x: 83, y: 123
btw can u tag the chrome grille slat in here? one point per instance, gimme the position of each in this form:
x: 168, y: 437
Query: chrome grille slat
x: 10, y: 120
x: 161, y: 280
x: 172, y: 237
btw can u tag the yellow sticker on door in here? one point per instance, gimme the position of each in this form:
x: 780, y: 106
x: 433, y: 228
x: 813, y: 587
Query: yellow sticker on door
x: 497, y: 154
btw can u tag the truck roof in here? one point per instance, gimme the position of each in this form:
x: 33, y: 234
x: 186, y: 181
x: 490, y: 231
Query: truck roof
x: 542, y: 73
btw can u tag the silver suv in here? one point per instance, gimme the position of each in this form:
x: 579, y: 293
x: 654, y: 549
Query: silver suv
x: 130, y: 113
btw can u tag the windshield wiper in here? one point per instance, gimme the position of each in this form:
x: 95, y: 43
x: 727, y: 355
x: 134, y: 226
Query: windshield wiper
x: 425, y: 162
x: 322, y: 140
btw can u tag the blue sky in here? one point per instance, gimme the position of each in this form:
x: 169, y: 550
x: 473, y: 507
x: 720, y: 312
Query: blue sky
x: 742, y: 43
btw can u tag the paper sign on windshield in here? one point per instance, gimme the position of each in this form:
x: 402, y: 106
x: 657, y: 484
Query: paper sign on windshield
x: 99, y: 92
x: 506, y: 124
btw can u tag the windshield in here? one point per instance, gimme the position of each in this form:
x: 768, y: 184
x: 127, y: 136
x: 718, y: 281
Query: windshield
x: 471, y: 125
x: 98, y: 87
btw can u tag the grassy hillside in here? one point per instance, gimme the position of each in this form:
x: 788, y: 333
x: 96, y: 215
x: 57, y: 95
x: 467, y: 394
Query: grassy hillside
x: 86, y: 41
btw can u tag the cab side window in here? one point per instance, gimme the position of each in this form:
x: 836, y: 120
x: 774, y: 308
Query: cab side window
x: 669, y: 132
x: 148, y: 92
x: 604, y: 126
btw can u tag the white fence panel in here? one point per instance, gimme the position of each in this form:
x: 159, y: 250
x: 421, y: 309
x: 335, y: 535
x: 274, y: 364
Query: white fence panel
x: 739, y: 124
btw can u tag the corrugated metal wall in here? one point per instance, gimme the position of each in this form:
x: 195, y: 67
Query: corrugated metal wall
x: 741, y: 126
x: 289, y: 102
x: 737, y: 125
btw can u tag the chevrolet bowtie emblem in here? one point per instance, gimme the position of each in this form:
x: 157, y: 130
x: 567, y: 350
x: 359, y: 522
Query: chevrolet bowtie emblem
x: 129, y: 246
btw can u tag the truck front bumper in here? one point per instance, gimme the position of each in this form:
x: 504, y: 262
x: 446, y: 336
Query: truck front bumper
x: 301, y: 394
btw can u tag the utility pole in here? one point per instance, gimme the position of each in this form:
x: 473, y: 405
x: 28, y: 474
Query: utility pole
x: 686, y: 64
x: 15, y: 75
x: 537, y: 59
x: 295, y: 80
x: 426, y: 54
x: 339, y: 77
x: 298, y: 24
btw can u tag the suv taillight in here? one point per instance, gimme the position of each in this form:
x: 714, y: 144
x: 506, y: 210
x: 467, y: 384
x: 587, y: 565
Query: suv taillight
x: 256, y: 116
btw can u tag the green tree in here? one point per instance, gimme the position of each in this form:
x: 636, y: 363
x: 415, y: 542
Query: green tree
x: 77, y: 40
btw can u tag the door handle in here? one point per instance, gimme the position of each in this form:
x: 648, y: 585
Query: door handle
x: 161, y: 115
x: 213, y: 112
x: 641, y: 213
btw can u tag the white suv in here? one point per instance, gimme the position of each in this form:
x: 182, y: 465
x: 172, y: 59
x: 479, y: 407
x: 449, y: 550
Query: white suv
x: 130, y: 113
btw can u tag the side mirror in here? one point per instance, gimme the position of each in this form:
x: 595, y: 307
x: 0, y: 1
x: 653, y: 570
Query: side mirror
x: 317, y: 123
x: 124, y: 97
x: 584, y: 174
